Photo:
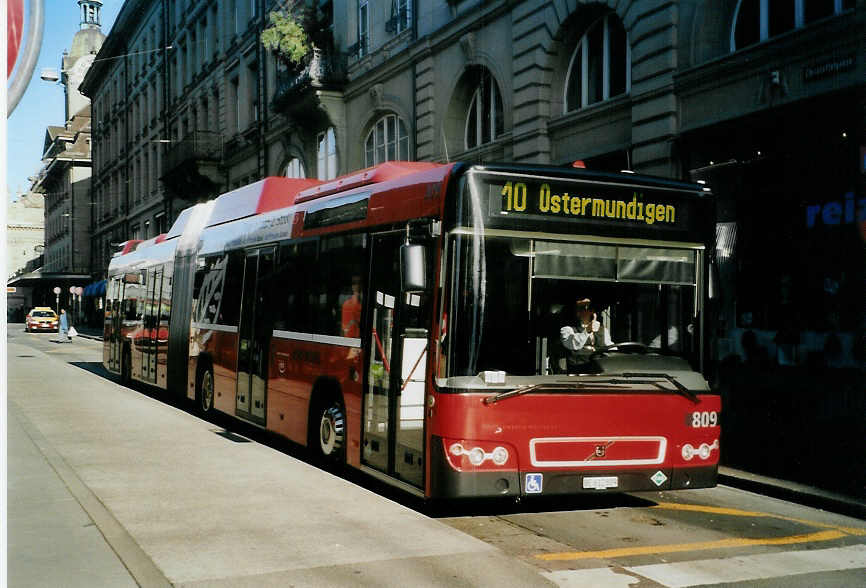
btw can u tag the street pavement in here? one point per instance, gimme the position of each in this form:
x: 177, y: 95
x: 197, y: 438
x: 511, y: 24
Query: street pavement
x: 111, y: 487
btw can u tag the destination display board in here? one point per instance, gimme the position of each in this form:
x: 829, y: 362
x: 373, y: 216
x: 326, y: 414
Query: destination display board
x: 600, y: 203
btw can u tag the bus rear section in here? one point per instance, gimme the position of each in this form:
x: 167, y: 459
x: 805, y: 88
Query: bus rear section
x: 572, y: 338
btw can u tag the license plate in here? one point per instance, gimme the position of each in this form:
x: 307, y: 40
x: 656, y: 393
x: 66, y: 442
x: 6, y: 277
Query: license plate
x: 600, y: 482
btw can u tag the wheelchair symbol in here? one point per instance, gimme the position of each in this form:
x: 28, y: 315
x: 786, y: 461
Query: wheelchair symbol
x: 533, y: 483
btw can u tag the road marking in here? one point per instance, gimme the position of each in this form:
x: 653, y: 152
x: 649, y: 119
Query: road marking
x: 748, y: 513
x: 717, y: 571
x: 832, y: 532
x: 697, y: 546
x: 596, y: 577
x: 755, y: 567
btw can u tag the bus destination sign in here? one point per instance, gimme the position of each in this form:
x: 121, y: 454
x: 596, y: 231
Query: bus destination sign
x: 582, y: 201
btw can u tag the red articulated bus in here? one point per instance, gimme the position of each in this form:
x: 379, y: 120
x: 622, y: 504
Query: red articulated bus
x: 455, y: 330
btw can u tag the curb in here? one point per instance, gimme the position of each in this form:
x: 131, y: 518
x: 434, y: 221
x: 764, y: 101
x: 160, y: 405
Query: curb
x: 793, y: 492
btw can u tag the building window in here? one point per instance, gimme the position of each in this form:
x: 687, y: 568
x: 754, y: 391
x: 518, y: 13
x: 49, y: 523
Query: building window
x: 234, y: 18
x: 295, y: 169
x: 326, y: 160
x: 363, y: 27
x: 401, y: 16
x: 756, y: 21
x: 600, y: 67
x: 386, y: 141
x: 252, y: 93
x: 135, y: 232
x: 234, y: 104
x: 484, y: 121
x: 159, y: 222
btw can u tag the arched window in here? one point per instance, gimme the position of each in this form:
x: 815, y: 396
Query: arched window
x: 326, y: 158
x: 484, y: 121
x: 756, y: 21
x: 600, y: 67
x: 295, y: 169
x: 386, y: 141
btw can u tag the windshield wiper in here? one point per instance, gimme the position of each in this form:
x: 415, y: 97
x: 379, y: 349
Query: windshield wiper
x: 526, y: 389
x: 648, y: 379
x: 531, y: 388
x: 668, y: 378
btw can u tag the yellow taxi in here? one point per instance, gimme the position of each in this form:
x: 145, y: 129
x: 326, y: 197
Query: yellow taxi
x: 41, y: 318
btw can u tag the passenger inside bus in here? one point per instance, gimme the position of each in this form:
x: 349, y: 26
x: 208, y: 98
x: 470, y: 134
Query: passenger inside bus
x: 351, y: 310
x: 584, y: 330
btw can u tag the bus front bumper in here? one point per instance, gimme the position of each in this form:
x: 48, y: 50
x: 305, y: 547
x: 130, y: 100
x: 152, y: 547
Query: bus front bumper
x: 446, y: 482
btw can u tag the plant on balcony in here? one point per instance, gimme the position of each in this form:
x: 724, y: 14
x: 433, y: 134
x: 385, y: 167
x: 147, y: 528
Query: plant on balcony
x: 287, y: 39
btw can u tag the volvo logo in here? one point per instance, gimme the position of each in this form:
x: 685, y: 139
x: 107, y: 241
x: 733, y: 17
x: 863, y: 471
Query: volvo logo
x: 599, y: 450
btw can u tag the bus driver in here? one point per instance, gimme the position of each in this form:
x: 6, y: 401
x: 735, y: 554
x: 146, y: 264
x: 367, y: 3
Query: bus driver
x: 587, y: 332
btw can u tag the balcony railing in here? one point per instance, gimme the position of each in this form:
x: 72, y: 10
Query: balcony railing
x: 195, y: 146
x: 321, y: 70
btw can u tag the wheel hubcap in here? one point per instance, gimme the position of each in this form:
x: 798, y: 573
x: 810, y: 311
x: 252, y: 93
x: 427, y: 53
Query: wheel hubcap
x: 332, y: 431
x: 206, y: 391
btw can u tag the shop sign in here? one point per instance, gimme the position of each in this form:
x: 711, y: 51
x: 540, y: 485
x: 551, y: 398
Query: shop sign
x: 11, y: 289
x: 828, y: 67
x: 836, y: 212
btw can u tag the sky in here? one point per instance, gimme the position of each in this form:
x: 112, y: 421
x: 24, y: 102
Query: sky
x: 41, y: 105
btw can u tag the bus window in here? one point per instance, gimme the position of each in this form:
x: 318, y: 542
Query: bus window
x: 230, y: 299
x: 341, y: 262
x: 291, y: 305
x: 633, y: 294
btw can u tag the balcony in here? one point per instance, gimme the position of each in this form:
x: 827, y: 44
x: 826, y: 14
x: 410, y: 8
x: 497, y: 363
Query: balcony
x: 193, y: 164
x: 296, y: 90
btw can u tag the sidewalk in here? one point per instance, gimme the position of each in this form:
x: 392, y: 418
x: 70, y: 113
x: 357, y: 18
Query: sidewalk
x: 89, y: 332
x: 52, y: 540
x: 111, y: 487
x: 785, y: 489
x: 793, y: 492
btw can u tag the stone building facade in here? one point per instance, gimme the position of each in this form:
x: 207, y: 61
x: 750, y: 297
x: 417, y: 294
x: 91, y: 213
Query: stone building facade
x: 187, y: 104
x: 25, y: 236
x: 64, y: 179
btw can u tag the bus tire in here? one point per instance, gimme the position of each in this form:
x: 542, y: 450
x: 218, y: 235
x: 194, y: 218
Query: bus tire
x: 204, y: 391
x: 327, y: 438
x: 126, y: 366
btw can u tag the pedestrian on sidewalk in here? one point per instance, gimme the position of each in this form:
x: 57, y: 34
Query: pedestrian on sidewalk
x: 63, y: 331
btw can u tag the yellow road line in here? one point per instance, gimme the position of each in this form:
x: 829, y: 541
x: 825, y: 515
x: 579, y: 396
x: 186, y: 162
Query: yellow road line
x: 710, y: 509
x: 747, y: 513
x: 703, y: 545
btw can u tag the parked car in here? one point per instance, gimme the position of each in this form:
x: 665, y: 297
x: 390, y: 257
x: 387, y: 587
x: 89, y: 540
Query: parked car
x: 41, y: 318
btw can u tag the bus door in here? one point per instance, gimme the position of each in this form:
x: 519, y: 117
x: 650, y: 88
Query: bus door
x: 393, y: 435
x: 114, y: 294
x: 255, y: 331
x: 151, y: 325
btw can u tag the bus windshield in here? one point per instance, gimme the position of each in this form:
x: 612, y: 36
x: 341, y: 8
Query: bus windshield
x: 536, y: 307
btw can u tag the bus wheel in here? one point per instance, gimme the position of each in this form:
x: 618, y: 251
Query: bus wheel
x: 205, y: 391
x: 126, y: 367
x: 330, y: 435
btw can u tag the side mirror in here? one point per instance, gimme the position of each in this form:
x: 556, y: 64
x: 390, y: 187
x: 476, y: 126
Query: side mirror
x: 413, y: 268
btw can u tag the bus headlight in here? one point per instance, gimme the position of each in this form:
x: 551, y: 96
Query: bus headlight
x: 476, y: 456
x: 688, y: 452
x: 468, y: 454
